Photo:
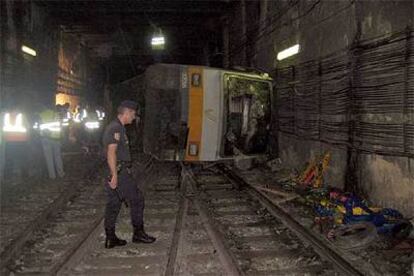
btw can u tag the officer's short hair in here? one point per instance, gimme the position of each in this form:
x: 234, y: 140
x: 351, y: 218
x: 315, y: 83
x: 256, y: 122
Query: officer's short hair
x: 121, y: 109
x: 127, y: 105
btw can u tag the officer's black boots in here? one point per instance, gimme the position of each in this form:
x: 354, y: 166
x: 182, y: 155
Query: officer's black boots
x: 141, y: 237
x: 112, y: 240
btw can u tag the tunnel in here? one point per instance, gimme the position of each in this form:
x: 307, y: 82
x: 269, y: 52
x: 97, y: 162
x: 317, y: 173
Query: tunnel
x: 206, y: 137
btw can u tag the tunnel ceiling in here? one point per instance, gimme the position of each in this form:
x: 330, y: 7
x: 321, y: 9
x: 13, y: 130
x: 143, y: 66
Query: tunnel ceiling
x: 118, y: 32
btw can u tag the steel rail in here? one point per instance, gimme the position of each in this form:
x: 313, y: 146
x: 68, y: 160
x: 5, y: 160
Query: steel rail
x: 322, y: 249
x: 16, y: 246
x: 178, y: 234
x: 227, y: 259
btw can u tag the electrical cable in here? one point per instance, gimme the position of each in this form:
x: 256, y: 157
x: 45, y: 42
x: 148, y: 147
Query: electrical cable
x: 365, y: 93
x: 238, y: 48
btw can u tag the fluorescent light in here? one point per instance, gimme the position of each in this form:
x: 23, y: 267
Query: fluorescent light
x: 28, y: 50
x: 288, y: 52
x: 157, y: 41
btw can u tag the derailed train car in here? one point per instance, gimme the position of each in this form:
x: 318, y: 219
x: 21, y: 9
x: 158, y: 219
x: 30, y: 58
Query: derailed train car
x: 195, y: 113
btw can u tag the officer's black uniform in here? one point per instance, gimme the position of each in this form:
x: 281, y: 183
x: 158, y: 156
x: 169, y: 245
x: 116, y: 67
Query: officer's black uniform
x: 127, y: 189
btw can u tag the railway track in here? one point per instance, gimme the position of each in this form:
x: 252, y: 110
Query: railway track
x: 203, y: 224
x: 26, y: 207
x: 256, y: 241
x: 42, y: 214
x: 162, y: 198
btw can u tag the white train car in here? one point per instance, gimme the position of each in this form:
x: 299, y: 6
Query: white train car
x: 195, y: 113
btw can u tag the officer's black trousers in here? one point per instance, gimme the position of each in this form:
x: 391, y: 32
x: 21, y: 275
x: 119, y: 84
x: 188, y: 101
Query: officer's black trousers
x: 127, y: 190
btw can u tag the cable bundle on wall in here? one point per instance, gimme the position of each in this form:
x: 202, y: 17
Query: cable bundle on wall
x: 284, y: 103
x: 380, y: 87
x: 361, y: 98
x: 307, y: 99
x: 335, y: 102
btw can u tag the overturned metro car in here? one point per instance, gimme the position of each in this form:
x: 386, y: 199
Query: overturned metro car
x: 195, y: 113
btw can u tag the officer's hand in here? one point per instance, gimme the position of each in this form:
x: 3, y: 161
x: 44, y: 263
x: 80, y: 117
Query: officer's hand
x: 114, y: 182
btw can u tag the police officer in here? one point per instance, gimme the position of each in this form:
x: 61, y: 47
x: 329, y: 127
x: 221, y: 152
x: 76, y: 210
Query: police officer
x: 50, y: 131
x: 121, y: 186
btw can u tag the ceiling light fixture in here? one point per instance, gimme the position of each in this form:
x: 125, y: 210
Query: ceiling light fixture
x: 28, y: 50
x: 158, y: 41
x: 288, y: 52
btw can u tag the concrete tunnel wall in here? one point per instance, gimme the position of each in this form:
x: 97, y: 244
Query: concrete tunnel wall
x: 61, y: 59
x: 31, y: 83
x: 324, y: 29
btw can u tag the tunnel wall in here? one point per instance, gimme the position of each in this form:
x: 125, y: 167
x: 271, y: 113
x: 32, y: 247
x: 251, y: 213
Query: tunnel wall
x: 25, y: 79
x: 60, y: 65
x: 26, y: 82
x: 324, y: 95
x: 73, y: 71
x: 29, y: 83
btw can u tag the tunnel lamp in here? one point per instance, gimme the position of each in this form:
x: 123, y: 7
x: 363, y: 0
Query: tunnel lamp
x: 158, y: 41
x: 28, y: 50
x: 288, y: 52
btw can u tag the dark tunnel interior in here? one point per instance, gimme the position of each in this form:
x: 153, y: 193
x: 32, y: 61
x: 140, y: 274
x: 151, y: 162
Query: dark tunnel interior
x: 206, y: 137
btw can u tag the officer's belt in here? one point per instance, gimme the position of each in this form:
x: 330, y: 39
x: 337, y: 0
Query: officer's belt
x: 123, y: 165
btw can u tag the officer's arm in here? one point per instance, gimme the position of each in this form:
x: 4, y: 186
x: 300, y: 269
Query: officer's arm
x: 111, y: 157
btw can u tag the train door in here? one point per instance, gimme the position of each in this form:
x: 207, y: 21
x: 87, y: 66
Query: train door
x: 247, y: 115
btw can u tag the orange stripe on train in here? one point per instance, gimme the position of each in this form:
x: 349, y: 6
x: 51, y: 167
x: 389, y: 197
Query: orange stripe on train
x: 195, y: 112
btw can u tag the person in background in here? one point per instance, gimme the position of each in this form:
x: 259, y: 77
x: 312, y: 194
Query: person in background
x: 65, y: 118
x: 15, y: 132
x: 51, y: 132
x: 90, y: 135
x: 35, y: 151
x: 2, y: 149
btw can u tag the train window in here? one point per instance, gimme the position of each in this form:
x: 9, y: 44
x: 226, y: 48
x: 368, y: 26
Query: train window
x: 193, y: 149
x: 248, y: 116
x: 196, y: 80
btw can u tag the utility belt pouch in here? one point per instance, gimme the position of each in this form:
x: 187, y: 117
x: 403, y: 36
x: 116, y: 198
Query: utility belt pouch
x: 118, y: 167
x: 123, y: 166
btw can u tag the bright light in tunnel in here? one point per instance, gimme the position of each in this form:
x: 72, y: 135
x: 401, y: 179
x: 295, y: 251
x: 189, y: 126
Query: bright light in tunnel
x: 28, y: 50
x: 157, y: 41
x: 288, y: 52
